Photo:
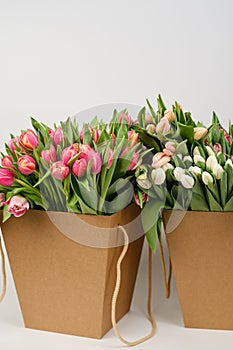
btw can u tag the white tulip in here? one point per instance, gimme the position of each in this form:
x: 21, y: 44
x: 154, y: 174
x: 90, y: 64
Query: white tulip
x: 229, y: 161
x: 158, y: 176
x: 179, y: 155
x: 210, y: 151
x: 187, y: 181
x: 144, y: 183
x: 217, y: 171
x: 211, y: 162
x: 207, y: 178
x: 188, y: 159
x: 196, y: 151
x: 167, y: 166
x: 178, y: 173
x: 195, y: 170
x: 198, y: 158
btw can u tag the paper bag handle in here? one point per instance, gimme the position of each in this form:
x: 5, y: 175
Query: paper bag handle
x: 166, y: 280
x: 116, y: 292
x: 3, y: 293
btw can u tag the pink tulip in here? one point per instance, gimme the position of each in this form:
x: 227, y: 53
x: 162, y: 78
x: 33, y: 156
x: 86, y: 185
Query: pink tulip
x: 144, y: 198
x: 96, y: 162
x: 59, y: 170
x: 56, y: 136
x: 67, y: 154
x: 2, y: 199
x: 113, y: 136
x: 7, y: 162
x: 29, y: 140
x: 79, y: 167
x: 217, y: 148
x: 26, y: 165
x: 49, y: 155
x: 96, y: 135
x: 133, y: 137
x: 18, y: 206
x: 134, y: 161
x: 85, y: 150
x: 13, y: 143
x: 125, y: 117
x: 163, y: 127
x: 110, y: 158
x: 160, y: 159
x: 6, y: 177
x: 170, y: 148
x: 227, y: 137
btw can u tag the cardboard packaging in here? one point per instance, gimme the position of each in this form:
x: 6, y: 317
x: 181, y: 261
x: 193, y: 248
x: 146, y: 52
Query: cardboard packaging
x: 201, y: 252
x: 64, y: 286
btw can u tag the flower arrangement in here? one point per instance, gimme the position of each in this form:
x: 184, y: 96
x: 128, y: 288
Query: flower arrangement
x: 191, y: 168
x: 90, y: 171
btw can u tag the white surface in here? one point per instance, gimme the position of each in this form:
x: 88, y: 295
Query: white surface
x: 60, y: 57
x: 171, y: 333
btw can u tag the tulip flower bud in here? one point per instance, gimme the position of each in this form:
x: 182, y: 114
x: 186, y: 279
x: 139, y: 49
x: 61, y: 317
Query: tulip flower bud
x: 167, y: 167
x: 218, y: 171
x: 158, y: 176
x: 211, y: 162
x: 149, y: 119
x: 29, y: 140
x: 125, y: 117
x: 13, y: 143
x: 85, y: 150
x: 217, y: 148
x: 196, y: 151
x: 151, y: 128
x: 160, y: 159
x: 170, y: 148
x: 210, y: 151
x: 132, y: 137
x: 207, y: 178
x: 134, y: 162
x: 229, y: 161
x: 67, y: 154
x: 198, y: 159
x: 6, y: 177
x: 49, y: 155
x: 188, y: 159
x: 187, y: 181
x: 144, y: 198
x: 18, y: 206
x: 7, y: 162
x: 195, y: 170
x: 79, y: 167
x: 227, y: 137
x: 110, y: 158
x: 169, y: 115
x: 163, y: 127
x: 59, y: 170
x: 179, y: 173
x: 2, y: 199
x: 26, y: 165
x: 96, y: 162
x: 200, y: 133
x: 144, y: 183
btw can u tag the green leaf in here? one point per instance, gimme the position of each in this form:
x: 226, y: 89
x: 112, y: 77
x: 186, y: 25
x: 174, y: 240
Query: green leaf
x: 151, y: 236
x: 185, y: 132
x: 213, y: 204
x: 6, y: 215
x: 121, y: 201
x: 229, y: 205
x: 224, y: 191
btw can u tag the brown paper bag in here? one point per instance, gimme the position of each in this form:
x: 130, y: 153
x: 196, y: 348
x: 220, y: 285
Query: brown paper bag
x: 201, y: 251
x: 64, y: 286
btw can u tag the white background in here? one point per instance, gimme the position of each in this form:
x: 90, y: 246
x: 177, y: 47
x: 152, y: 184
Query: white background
x: 60, y: 57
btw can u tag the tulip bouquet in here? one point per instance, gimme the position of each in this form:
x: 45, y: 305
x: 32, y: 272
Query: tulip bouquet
x: 89, y: 171
x: 191, y: 168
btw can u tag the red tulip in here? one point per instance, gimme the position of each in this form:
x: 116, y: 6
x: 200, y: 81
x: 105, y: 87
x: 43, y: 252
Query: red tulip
x: 133, y: 137
x: 6, y: 177
x: 79, y: 167
x: 14, y: 142
x: 29, y: 140
x: 85, y: 150
x: 56, y: 136
x: 134, y: 161
x: 144, y: 198
x: 26, y: 165
x: 59, y: 170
